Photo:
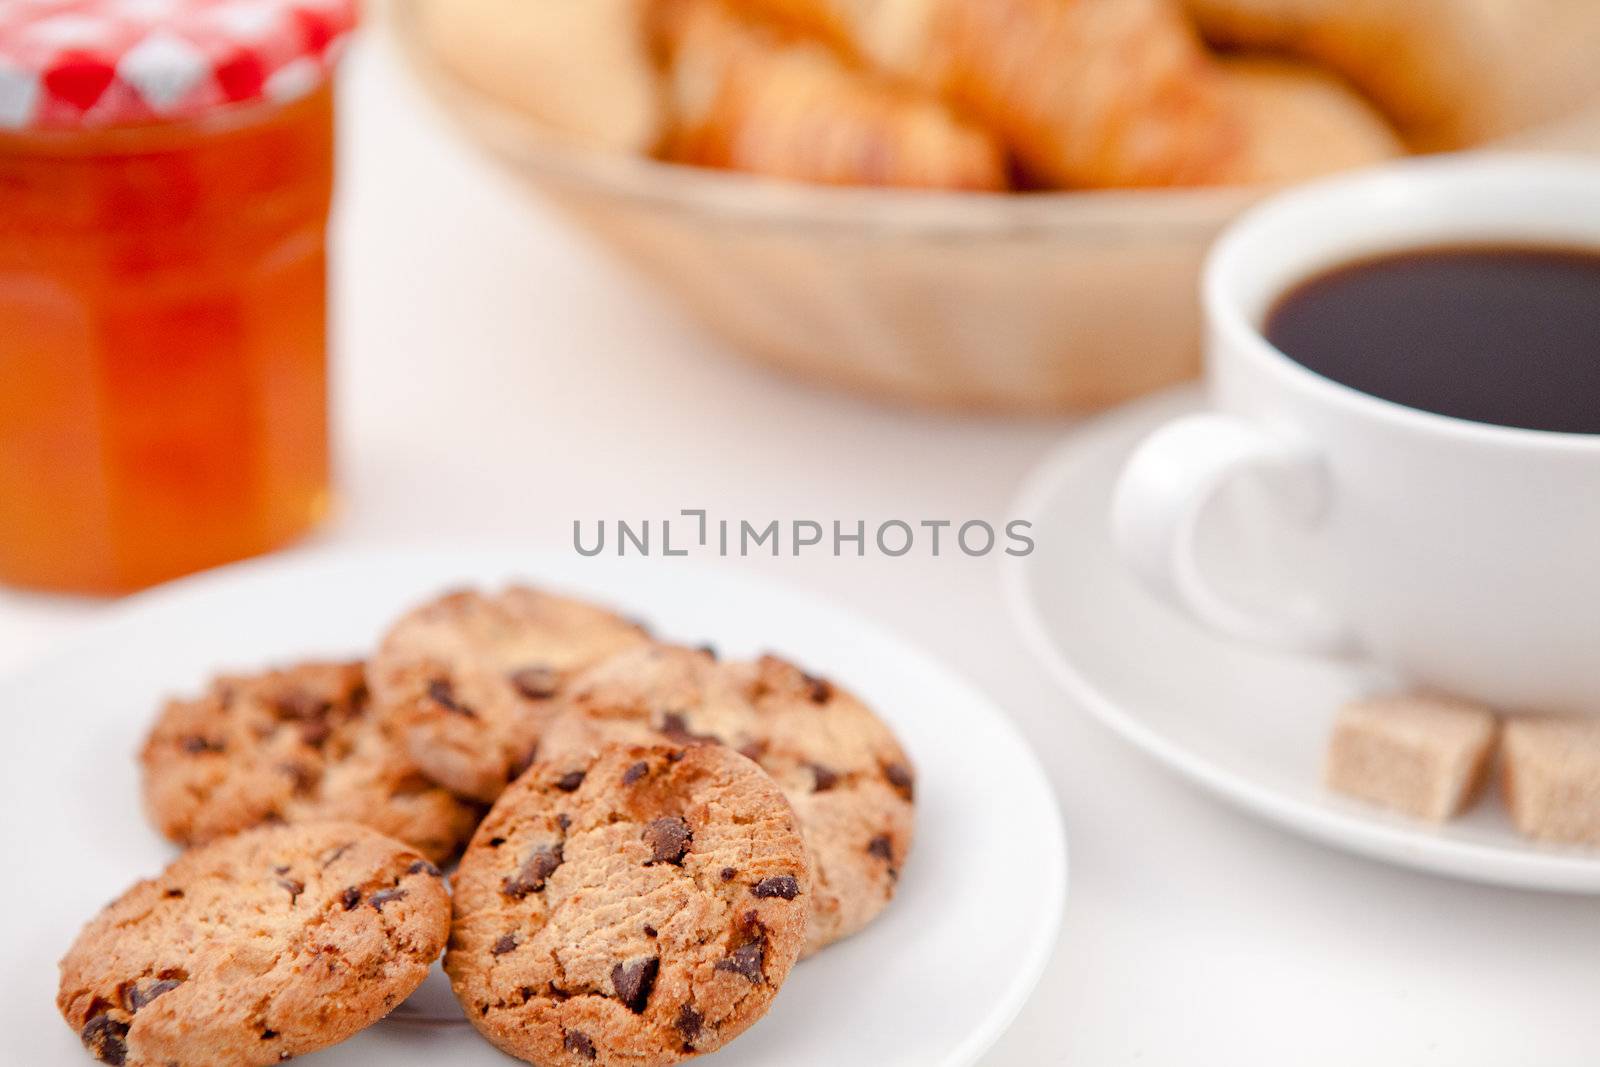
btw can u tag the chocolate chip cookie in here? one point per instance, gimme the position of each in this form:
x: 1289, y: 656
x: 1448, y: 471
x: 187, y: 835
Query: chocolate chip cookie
x: 256, y: 948
x: 638, y: 908
x: 843, y: 771
x: 468, y: 680
x: 293, y: 745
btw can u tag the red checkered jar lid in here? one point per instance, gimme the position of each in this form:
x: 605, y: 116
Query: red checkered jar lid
x: 82, y: 63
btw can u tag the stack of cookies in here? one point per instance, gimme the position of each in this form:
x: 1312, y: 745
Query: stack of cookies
x: 648, y: 840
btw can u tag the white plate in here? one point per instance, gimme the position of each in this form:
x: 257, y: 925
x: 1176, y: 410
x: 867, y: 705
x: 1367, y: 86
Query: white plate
x: 1249, y: 726
x: 933, y: 982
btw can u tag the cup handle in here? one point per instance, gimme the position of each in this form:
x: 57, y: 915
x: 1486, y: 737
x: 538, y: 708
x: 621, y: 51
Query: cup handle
x: 1164, y: 489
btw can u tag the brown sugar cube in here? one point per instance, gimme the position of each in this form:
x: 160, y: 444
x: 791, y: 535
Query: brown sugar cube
x: 1422, y: 755
x: 1551, y: 777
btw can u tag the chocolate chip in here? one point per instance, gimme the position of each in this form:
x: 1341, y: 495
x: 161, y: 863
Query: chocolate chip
x: 728, y: 874
x: 197, y: 745
x: 882, y: 848
x: 820, y: 690
x: 634, y: 981
x: 520, y: 765
x: 315, y: 732
x: 781, y: 885
x: 668, y: 839
x: 530, y: 877
x: 302, y: 706
x: 442, y: 693
x: 350, y: 898
x: 496, y: 842
x: 424, y: 867
x: 635, y: 772
x: 564, y: 821
x: 507, y: 943
x: 824, y: 778
x: 578, y: 1044
x: 302, y: 776
x: 676, y: 729
x: 536, y: 683
x: 137, y: 994
x: 688, y: 1022
x: 746, y: 960
x: 104, y: 1037
x: 649, y: 931
x: 385, y: 896
x: 173, y: 894
x: 570, y: 781
x: 412, y: 784
x: 900, y: 778
x: 294, y: 887
x: 269, y: 1034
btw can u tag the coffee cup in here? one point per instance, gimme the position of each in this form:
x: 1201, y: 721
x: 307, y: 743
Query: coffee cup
x: 1462, y: 555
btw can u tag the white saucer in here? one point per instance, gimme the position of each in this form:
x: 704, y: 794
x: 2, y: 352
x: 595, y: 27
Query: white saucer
x: 932, y: 983
x: 1247, y: 725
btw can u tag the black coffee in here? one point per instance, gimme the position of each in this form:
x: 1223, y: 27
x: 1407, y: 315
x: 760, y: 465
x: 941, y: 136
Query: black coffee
x: 1503, y: 334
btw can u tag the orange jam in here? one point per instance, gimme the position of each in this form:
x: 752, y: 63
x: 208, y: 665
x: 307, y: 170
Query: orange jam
x: 163, y: 380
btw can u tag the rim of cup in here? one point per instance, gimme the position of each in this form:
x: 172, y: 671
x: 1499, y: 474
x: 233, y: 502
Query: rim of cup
x: 1389, y: 188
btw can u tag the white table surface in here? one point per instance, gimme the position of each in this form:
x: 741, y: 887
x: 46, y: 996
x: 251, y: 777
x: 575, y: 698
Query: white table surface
x: 500, y: 377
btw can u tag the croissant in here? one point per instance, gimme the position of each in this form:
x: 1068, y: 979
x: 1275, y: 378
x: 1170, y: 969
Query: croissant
x: 747, y: 96
x: 1301, y: 121
x: 1450, y: 73
x: 1083, y: 92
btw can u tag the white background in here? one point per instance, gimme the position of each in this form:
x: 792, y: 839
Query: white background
x: 500, y: 377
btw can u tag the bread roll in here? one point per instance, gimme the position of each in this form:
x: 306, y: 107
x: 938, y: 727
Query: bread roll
x: 578, y: 67
x: 1301, y: 122
x: 1449, y: 73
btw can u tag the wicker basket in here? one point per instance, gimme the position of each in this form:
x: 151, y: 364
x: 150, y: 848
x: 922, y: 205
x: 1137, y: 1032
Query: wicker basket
x: 1045, y: 302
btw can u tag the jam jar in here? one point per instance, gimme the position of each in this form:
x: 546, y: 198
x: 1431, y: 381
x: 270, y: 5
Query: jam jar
x: 166, y: 169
